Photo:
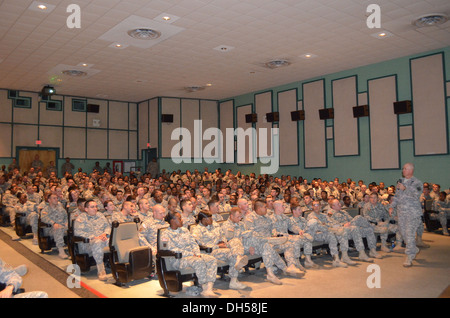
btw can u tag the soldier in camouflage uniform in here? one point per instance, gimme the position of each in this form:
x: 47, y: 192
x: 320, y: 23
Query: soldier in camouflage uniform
x: 187, y: 214
x: 261, y: 227
x: 9, y: 201
x: 320, y: 227
x: 127, y: 214
x: 94, y: 226
x: 281, y: 226
x: 209, y: 234
x: 55, y: 215
x: 409, y: 210
x: 298, y: 225
x: 352, y: 228
x: 13, y: 282
x: 180, y: 240
x: 148, y: 230
x: 30, y: 214
x: 442, y: 208
x: 378, y: 216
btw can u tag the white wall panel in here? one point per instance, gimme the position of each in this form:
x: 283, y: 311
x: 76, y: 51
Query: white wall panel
x: 287, y: 103
x: 169, y: 106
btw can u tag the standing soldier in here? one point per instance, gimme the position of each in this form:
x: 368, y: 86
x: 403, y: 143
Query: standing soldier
x: 409, y: 210
x: 55, y: 215
x: 94, y: 226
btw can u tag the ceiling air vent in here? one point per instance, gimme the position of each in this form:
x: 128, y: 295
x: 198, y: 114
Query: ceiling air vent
x: 277, y: 63
x: 192, y: 89
x: 430, y: 20
x: 144, y: 34
x: 74, y: 73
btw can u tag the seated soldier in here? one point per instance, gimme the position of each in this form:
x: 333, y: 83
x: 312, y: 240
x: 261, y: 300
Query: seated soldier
x: 264, y: 242
x: 213, y: 208
x: 298, y: 225
x: 378, y: 216
x: 127, y: 214
x: 187, y: 214
x: 442, y: 208
x: 180, y: 240
x: 94, y: 226
x: 55, y: 215
x: 30, y: 216
x: 148, y: 230
x: 320, y: 227
x: 209, y: 234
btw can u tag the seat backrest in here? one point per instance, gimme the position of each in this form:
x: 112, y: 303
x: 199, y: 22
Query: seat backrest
x: 306, y: 213
x: 428, y: 205
x: 124, y: 237
x: 161, y: 244
x: 352, y: 211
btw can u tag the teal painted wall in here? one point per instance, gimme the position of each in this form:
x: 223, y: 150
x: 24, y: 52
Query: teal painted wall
x: 433, y: 168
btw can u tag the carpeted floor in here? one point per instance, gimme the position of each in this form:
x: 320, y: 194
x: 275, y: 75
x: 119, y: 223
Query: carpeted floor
x: 428, y: 278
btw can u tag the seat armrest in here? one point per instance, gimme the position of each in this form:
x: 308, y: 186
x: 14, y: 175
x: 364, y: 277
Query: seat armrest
x: 206, y: 249
x: 166, y: 253
x: 78, y: 239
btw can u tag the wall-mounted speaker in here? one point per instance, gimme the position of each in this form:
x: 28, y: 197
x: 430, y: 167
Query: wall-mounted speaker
x: 271, y: 117
x: 298, y: 115
x: 361, y: 111
x: 167, y: 118
x: 402, y: 107
x: 326, y: 113
x: 251, y: 118
x: 92, y: 108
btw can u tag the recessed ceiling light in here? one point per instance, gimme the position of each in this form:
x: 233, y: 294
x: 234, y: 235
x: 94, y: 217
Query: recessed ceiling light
x: 209, y: 84
x: 166, y: 18
x: 223, y: 48
x: 41, y: 7
x: 308, y: 56
x: 118, y: 45
x: 382, y: 34
x: 430, y: 20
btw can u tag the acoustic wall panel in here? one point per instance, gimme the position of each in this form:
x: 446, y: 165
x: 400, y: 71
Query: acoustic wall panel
x: 51, y: 117
x: 226, y: 111
x: 314, y: 127
x: 263, y: 105
x: 345, y: 125
x: 153, y: 121
x: 51, y: 136
x: 143, y: 122
x: 27, y: 115
x: 190, y: 112
x: 209, y: 117
x: 118, y: 144
x: 118, y: 113
x: 169, y: 106
x: 429, y: 108
x: 5, y: 107
x: 288, y: 136
x: 74, y: 142
x: 5, y: 141
x: 245, y: 139
x: 384, y: 150
x: 132, y: 145
x: 24, y: 136
x: 132, y: 114
x: 97, y: 144
x: 101, y: 118
x: 71, y: 117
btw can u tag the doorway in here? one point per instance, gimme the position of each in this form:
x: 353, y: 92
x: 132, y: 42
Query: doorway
x: 26, y: 155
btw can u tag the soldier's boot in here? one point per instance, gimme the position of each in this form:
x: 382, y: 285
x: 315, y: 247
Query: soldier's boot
x: 309, y: 263
x: 235, y: 284
x: 22, y: 270
x: 337, y: 262
x: 363, y: 256
x: 398, y: 247
x: 61, y: 253
x: 346, y: 259
x: 373, y: 253
x: 408, y: 261
x: 445, y: 231
x: 420, y: 243
x: 208, y: 290
x: 384, y: 247
x: 293, y: 271
x: 272, y: 278
x: 101, y: 272
x: 241, y: 261
x: 35, y: 239
x: 299, y: 265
